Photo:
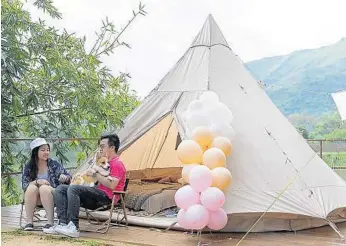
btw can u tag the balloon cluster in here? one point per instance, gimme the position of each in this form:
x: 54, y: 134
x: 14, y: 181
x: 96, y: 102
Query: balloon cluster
x: 204, y: 156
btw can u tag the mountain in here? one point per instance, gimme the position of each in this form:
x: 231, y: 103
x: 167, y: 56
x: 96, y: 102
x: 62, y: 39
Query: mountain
x: 301, y: 82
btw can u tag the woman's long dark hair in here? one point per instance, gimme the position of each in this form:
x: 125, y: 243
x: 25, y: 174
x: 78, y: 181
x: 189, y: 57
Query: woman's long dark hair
x: 33, y: 163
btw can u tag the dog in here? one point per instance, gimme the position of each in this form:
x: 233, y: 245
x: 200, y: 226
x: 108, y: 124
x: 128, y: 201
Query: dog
x: 86, y: 180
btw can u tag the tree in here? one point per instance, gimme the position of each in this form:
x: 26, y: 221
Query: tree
x: 329, y: 126
x: 53, y: 87
x: 302, y: 130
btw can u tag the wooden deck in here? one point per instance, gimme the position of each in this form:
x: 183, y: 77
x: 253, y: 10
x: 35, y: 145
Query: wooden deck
x: 148, y: 236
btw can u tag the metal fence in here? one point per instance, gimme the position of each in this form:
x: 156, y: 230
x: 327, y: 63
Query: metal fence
x: 332, y: 151
x: 23, y: 145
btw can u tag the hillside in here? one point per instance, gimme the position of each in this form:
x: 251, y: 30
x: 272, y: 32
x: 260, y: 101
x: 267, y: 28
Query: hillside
x: 301, y: 82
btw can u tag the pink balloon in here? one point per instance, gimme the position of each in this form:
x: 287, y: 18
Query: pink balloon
x: 217, y: 219
x: 200, y: 178
x: 181, y: 219
x: 186, y: 196
x: 212, y: 198
x: 197, y: 217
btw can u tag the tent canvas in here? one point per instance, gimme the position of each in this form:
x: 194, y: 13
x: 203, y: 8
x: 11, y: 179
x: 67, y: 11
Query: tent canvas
x: 268, y: 156
x: 340, y: 102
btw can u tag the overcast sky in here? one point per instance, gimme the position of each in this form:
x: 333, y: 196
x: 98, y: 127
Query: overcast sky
x: 253, y: 28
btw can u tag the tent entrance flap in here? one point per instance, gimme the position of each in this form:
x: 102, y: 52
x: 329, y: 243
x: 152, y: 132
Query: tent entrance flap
x: 154, y: 151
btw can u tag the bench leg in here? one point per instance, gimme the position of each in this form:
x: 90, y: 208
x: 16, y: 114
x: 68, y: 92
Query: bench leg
x: 90, y: 217
x: 124, y: 209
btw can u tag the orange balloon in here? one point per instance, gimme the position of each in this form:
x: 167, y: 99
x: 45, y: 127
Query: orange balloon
x: 186, y: 170
x: 222, y: 178
x: 204, y: 148
x: 213, y: 158
x: 203, y: 136
x: 189, y: 152
x: 222, y: 143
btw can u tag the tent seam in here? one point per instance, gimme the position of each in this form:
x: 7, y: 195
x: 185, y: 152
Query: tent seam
x: 210, y: 31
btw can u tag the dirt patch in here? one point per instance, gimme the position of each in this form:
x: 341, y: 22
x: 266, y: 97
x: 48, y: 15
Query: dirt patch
x: 18, y: 238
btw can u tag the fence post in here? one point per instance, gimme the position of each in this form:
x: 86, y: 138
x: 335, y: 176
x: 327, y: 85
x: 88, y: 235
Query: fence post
x: 321, y: 149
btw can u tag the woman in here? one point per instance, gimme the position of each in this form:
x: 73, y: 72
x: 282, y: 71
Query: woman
x: 40, y: 176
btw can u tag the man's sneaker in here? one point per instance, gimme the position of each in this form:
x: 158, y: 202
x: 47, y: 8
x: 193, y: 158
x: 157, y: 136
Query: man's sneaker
x: 52, y: 229
x: 49, y: 229
x: 29, y: 227
x: 69, y: 230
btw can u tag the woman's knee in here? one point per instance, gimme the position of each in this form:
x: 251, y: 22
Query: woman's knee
x: 31, y: 190
x: 45, y: 190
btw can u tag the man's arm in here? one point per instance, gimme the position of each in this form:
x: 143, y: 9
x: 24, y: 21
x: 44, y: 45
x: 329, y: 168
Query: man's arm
x: 110, y: 182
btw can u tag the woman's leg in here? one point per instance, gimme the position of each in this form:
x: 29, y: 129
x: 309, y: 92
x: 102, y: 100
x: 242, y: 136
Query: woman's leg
x: 47, y: 201
x: 30, y: 200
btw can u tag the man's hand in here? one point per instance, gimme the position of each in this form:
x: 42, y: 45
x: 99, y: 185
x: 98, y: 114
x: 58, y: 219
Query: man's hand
x: 63, y: 178
x: 101, y: 171
x: 90, y: 172
x: 97, y: 168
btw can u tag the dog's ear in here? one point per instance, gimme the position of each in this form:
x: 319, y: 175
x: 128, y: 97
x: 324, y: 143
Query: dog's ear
x: 97, y: 157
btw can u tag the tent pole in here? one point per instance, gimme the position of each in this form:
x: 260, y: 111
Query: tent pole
x: 336, y: 229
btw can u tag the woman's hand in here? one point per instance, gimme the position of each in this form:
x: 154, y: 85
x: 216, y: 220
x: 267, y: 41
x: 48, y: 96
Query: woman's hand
x: 42, y: 182
x: 63, y: 178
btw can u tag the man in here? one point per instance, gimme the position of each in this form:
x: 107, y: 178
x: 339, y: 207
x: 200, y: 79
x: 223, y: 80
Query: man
x: 69, y: 199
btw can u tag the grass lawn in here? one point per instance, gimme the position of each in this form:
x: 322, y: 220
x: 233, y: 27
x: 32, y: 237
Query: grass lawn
x: 337, y: 159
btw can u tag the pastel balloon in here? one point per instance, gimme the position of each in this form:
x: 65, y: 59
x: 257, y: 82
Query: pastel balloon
x: 181, y: 219
x: 195, y: 105
x: 196, y: 119
x: 197, y: 217
x: 200, y: 178
x: 223, y: 144
x: 217, y: 219
x: 212, y: 198
x: 221, y: 114
x: 209, y: 96
x: 189, y: 152
x: 203, y: 136
x: 185, y: 116
x: 186, y: 171
x: 222, y: 130
x: 222, y: 178
x: 213, y: 158
x: 186, y: 196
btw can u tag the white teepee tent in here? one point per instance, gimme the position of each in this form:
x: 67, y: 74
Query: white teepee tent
x: 340, y: 101
x: 268, y: 156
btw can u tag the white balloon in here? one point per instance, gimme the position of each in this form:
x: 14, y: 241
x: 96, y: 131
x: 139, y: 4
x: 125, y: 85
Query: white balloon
x: 223, y: 130
x: 186, y: 116
x: 221, y: 114
x: 195, y: 105
x: 209, y: 96
x: 196, y: 119
x: 209, y: 107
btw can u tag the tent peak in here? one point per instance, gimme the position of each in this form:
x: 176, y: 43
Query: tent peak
x: 211, y: 18
x: 210, y: 34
